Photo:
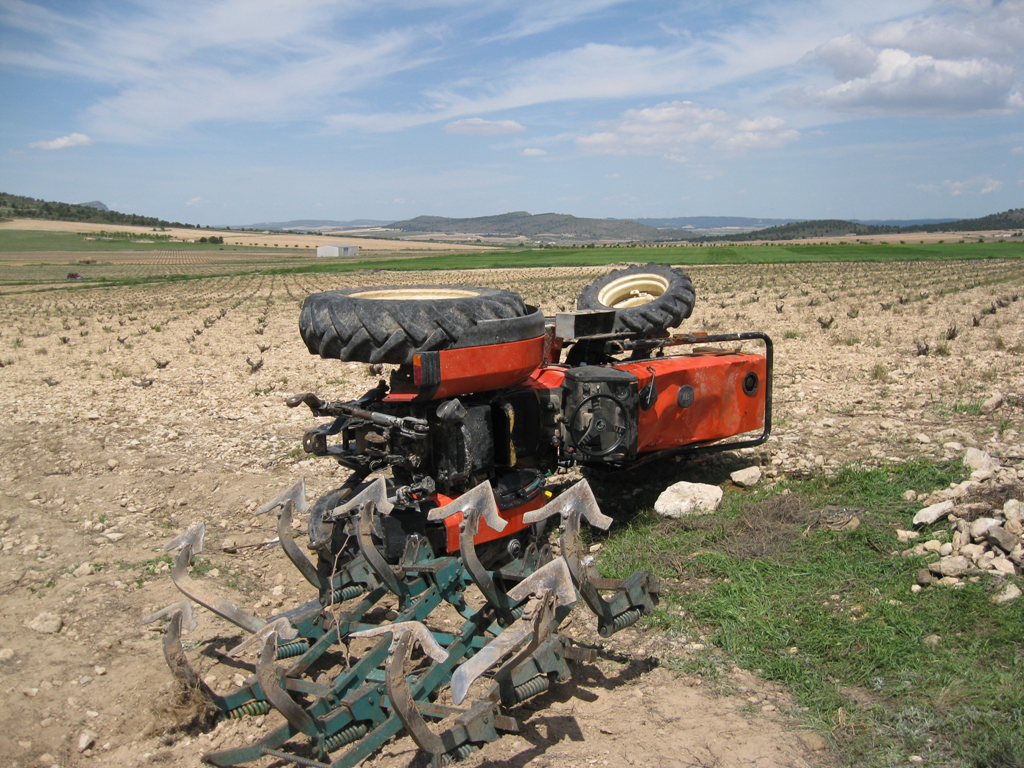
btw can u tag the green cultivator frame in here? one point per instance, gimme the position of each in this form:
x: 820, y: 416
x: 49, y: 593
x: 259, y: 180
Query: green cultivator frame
x: 338, y: 711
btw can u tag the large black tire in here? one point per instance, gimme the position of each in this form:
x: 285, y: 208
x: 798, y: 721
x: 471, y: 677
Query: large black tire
x: 391, y: 324
x: 647, y: 299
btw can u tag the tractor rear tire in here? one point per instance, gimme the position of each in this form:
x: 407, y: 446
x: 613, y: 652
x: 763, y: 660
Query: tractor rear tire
x: 647, y: 300
x: 391, y: 324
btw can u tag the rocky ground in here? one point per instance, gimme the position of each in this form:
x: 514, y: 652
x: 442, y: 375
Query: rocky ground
x: 135, y: 412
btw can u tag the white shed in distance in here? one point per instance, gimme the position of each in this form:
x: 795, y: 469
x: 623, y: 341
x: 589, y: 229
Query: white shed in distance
x: 337, y: 249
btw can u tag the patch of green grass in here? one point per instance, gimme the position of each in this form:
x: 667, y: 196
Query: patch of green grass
x: 32, y: 240
x: 831, y: 615
x: 791, y: 335
x: 962, y: 408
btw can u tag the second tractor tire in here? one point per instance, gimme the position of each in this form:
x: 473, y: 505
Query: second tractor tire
x: 390, y: 324
x: 647, y: 300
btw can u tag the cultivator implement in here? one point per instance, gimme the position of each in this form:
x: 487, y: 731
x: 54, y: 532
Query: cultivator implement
x: 438, y: 596
x: 338, y: 708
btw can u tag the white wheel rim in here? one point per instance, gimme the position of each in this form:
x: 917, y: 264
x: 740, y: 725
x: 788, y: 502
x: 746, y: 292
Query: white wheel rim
x: 414, y: 294
x: 632, y: 291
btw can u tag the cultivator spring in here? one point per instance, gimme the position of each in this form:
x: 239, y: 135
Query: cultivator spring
x: 338, y: 709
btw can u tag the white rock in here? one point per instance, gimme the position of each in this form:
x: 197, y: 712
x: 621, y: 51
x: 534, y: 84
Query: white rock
x: 85, y: 740
x: 1013, y: 510
x: 974, y: 458
x: 993, y: 403
x: 46, y: 623
x: 954, y: 565
x: 921, y: 437
x: 685, y: 498
x: 6, y: 654
x: 85, y: 569
x: 910, y: 496
x: 932, y: 546
x: 961, y: 539
x: 746, y: 478
x: 973, y: 551
x: 946, y: 549
x: 929, y: 515
x: 1010, y: 592
x: 1003, y: 565
x: 980, y: 527
x: 906, y: 535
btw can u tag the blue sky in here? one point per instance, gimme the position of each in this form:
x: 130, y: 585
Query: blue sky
x: 238, y: 111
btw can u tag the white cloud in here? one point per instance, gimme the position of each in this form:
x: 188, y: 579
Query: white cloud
x: 171, y: 65
x: 675, y: 129
x: 475, y: 126
x: 533, y: 152
x: 194, y: 201
x: 979, y: 185
x: 72, y: 140
x: 1018, y: 150
x: 536, y: 18
x: 962, y: 60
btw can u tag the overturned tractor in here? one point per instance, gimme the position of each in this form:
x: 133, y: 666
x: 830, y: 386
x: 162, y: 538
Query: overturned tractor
x: 449, y: 463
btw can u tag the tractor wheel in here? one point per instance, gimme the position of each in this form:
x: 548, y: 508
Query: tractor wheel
x: 391, y: 324
x: 647, y: 299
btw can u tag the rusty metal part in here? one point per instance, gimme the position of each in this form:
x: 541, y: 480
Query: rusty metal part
x: 270, y: 684
x: 551, y: 587
x: 184, y: 607
x: 296, y: 494
x: 193, y: 537
x: 377, y: 492
x: 279, y: 628
x: 416, y: 629
x: 291, y: 549
x: 373, y: 557
x: 195, y: 591
x: 480, y: 498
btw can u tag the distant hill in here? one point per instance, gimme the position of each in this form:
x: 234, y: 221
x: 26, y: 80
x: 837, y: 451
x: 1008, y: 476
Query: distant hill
x: 538, y: 226
x: 714, y: 222
x: 902, y: 222
x: 307, y: 224
x: 17, y: 206
x: 1012, y: 219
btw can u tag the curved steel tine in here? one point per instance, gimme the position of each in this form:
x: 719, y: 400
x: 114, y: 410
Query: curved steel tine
x: 182, y: 607
x: 296, y: 555
x: 377, y: 492
x: 176, y: 659
x: 370, y: 553
x: 198, y: 593
x: 296, y: 494
x: 417, y: 630
x: 270, y: 684
x: 573, y: 504
x: 193, y: 537
x: 482, y: 498
x: 281, y: 628
x: 554, y: 577
x: 494, y: 596
x: 401, y: 697
x: 534, y: 625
